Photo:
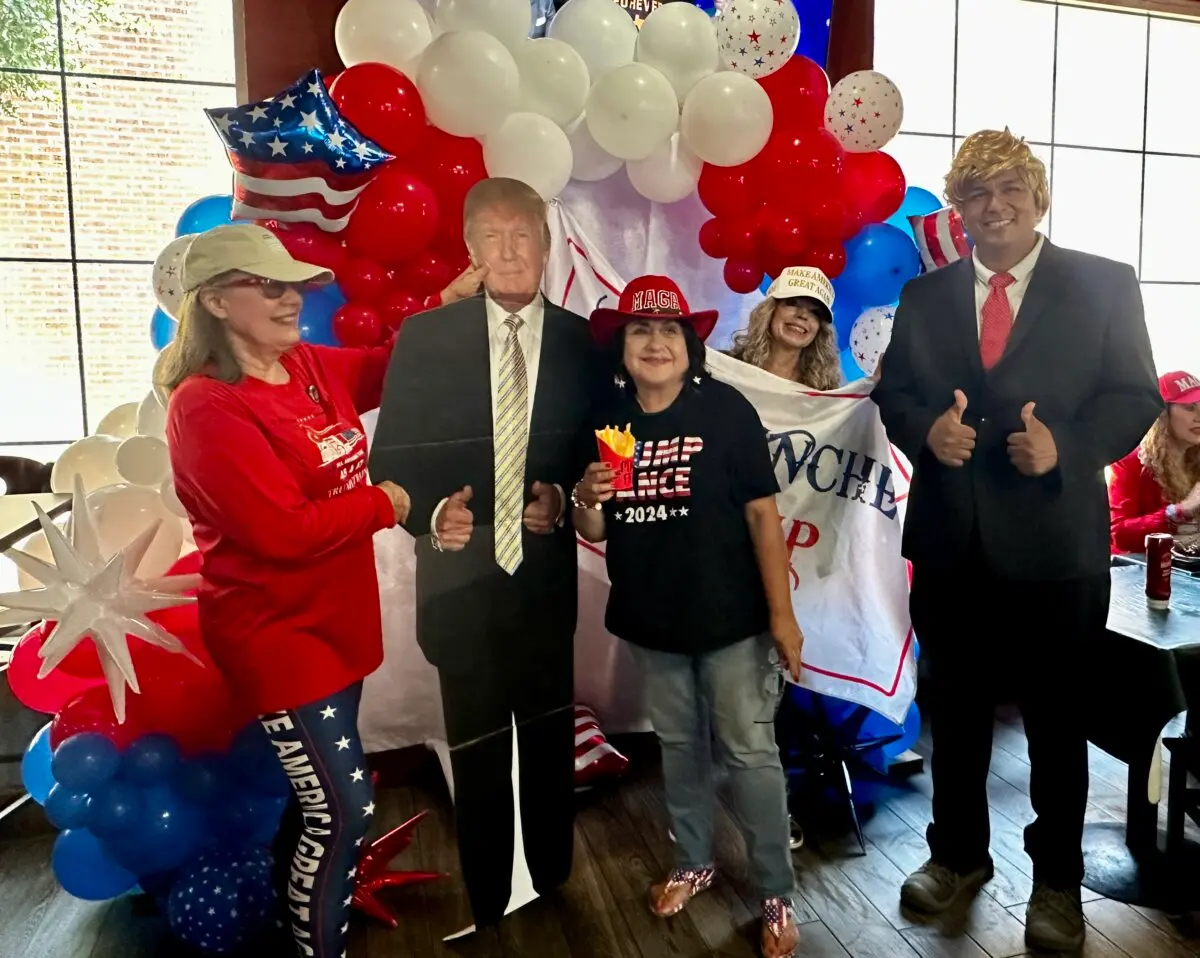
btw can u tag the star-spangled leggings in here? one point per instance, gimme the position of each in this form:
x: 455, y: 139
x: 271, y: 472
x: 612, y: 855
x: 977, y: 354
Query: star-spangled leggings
x: 326, y: 821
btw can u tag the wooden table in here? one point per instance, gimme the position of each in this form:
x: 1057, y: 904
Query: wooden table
x: 18, y: 519
x: 1139, y: 675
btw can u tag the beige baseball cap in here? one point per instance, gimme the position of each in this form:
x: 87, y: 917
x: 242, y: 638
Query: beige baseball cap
x: 249, y: 249
x: 804, y: 281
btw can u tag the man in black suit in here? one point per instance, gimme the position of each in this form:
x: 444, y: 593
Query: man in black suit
x: 482, y: 412
x: 1013, y: 377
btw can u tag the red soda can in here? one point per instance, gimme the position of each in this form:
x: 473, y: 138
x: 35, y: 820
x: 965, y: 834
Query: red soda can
x: 1159, y: 546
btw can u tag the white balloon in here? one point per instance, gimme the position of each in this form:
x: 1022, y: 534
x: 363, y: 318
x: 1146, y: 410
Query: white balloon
x: 600, y: 31
x: 679, y: 40
x: 589, y: 162
x: 468, y: 82
x: 668, y: 174
x: 757, y: 37
x: 156, y: 376
x: 554, y: 79
x: 93, y: 459
x: 864, y: 111
x: 123, y: 512
x: 168, y: 274
x: 509, y: 21
x: 870, y: 335
x: 531, y: 148
x: 171, y: 499
x: 631, y: 110
x: 152, y: 417
x: 143, y: 460
x: 727, y: 119
x: 383, y: 31
x: 39, y: 546
x: 120, y: 422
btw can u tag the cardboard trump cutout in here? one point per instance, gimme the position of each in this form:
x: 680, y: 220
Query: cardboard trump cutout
x: 483, y: 409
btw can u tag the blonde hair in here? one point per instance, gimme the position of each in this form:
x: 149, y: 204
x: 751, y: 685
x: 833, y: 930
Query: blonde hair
x: 201, y: 345
x: 987, y: 154
x: 1176, y: 472
x: 818, y: 364
x: 515, y: 195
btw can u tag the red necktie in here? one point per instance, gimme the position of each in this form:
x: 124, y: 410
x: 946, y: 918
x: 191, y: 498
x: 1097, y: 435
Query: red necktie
x: 997, y: 320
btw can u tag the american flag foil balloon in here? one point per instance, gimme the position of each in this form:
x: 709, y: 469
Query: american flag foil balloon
x: 941, y: 238
x: 295, y: 158
x: 594, y: 757
x: 756, y: 37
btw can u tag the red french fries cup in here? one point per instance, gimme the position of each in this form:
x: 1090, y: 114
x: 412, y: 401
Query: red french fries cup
x: 622, y: 466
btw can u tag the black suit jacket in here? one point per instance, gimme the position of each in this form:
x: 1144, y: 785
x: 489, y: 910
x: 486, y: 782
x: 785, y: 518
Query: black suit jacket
x: 1080, y: 351
x: 434, y: 436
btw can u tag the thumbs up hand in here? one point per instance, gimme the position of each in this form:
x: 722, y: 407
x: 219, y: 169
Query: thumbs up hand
x: 542, y: 514
x: 948, y: 438
x: 455, y: 523
x: 1032, y: 451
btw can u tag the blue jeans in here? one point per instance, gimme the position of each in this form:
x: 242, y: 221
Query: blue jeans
x: 733, y: 692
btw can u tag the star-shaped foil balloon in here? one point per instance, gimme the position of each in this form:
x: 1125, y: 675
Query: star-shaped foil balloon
x: 90, y: 596
x: 372, y: 875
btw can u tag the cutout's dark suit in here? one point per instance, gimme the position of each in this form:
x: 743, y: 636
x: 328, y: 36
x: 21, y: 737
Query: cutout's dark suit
x: 1010, y: 573
x: 503, y: 645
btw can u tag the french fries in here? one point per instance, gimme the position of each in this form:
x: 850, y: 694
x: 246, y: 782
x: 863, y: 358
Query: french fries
x: 621, y: 443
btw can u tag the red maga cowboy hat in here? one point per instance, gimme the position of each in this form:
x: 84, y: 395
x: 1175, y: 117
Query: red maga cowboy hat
x: 649, y: 297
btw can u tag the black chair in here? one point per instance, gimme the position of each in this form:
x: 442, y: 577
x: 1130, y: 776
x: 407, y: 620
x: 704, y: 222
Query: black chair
x: 24, y: 476
x: 1182, y: 798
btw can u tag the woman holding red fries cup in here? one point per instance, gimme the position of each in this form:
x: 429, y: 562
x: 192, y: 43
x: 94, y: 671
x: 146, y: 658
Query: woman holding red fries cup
x: 684, y: 496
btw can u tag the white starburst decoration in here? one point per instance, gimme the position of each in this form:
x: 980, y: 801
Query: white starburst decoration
x: 89, y: 596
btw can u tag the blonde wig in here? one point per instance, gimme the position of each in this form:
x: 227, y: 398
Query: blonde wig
x: 201, y: 345
x: 818, y: 365
x: 989, y: 153
x: 1176, y: 472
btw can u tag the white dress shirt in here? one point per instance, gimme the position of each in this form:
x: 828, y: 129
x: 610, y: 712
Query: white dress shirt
x: 1020, y: 273
x: 529, y: 338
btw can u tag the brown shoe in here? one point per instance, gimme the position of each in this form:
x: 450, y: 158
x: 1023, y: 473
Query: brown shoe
x: 933, y: 887
x: 780, y: 936
x: 671, y: 896
x: 1054, y: 919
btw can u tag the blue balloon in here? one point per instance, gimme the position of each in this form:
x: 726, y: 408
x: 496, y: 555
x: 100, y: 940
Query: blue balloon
x: 850, y: 369
x: 162, y: 329
x: 84, y: 761
x: 150, y: 759
x: 67, y: 808
x: 845, y: 312
x: 253, y: 760
x: 911, y: 732
x: 222, y: 899
x: 880, y: 259
x: 165, y: 835
x: 316, y: 315
x: 202, y: 780
x: 36, y: 774
x: 84, y: 870
x: 114, y: 808
x: 204, y: 214
x: 917, y: 202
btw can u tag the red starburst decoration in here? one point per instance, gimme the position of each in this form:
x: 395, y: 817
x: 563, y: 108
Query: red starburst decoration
x: 372, y: 875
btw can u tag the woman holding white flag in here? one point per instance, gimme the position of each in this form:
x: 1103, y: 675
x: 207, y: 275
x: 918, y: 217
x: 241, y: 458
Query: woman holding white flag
x: 684, y: 494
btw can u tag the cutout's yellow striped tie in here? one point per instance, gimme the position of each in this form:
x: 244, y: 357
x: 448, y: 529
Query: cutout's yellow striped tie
x: 512, y: 436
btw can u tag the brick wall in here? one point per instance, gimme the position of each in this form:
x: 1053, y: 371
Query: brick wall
x: 140, y: 150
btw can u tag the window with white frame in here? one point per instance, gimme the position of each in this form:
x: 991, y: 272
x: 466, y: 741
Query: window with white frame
x: 1105, y: 98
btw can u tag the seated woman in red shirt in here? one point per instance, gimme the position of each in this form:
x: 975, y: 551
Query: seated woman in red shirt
x: 270, y: 462
x: 1156, y: 488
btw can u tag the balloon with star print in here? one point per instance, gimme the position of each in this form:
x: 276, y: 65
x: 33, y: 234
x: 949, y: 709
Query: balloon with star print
x: 870, y: 335
x: 757, y: 37
x: 222, y: 900
x: 864, y: 111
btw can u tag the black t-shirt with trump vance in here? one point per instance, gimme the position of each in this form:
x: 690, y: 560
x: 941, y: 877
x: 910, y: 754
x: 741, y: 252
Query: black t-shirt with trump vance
x: 680, y: 558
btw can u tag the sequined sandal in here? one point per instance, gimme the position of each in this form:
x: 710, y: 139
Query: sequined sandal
x: 777, y: 918
x: 695, y: 880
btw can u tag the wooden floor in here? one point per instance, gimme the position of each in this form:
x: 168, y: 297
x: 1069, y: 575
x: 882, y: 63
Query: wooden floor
x: 849, y: 901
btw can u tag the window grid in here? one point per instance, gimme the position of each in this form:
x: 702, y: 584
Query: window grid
x: 62, y: 74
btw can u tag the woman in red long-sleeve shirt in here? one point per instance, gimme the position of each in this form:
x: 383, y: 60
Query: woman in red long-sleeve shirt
x: 270, y: 461
x: 1156, y: 488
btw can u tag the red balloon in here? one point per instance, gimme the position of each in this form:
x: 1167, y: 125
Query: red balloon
x: 798, y: 92
x: 784, y: 234
x: 91, y: 712
x: 729, y: 190
x: 451, y: 165
x: 394, y: 310
x: 741, y: 237
x: 773, y: 264
x: 383, y: 104
x: 357, y: 325
x: 742, y: 276
x: 451, y: 248
x: 712, y: 239
x: 395, y: 219
x: 828, y: 219
x: 874, y: 185
x: 425, y: 275
x: 827, y: 256
x: 364, y: 281
x: 310, y: 244
x: 810, y: 161
x: 47, y: 694
x: 189, y: 564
